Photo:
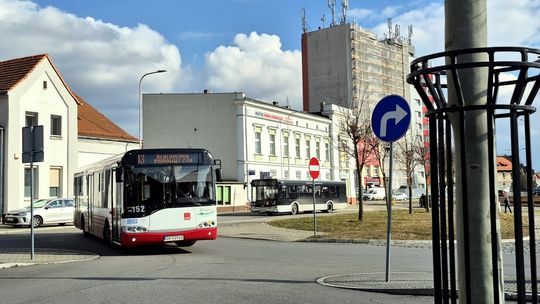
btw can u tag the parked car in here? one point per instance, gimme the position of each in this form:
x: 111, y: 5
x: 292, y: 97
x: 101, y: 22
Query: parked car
x: 536, y: 191
x: 400, y: 196
x: 46, y: 211
x: 375, y: 194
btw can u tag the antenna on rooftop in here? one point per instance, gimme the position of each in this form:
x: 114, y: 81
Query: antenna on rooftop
x: 304, y: 22
x: 332, y: 6
x: 344, y: 8
x: 409, y: 37
x: 389, y: 21
x: 323, y: 18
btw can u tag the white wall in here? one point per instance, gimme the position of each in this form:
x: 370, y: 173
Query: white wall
x: 92, y: 150
x: 193, y: 121
x: 29, y: 96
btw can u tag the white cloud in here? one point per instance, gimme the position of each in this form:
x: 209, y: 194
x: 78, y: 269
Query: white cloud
x: 101, y: 62
x: 510, y: 23
x: 257, y: 65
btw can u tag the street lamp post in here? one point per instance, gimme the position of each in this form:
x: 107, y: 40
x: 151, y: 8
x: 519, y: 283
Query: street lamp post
x: 140, y: 104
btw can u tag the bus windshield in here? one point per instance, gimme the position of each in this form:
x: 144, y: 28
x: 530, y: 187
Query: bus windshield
x: 152, y: 188
x: 266, y: 192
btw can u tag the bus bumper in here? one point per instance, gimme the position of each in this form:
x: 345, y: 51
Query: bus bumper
x: 148, y: 238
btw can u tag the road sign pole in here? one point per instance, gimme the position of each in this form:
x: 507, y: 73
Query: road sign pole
x: 314, y: 171
x: 390, y: 120
x: 389, y: 203
x: 32, y: 205
x: 314, y: 211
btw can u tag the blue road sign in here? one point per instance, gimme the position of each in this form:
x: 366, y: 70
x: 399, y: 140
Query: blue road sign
x: 391, y: 118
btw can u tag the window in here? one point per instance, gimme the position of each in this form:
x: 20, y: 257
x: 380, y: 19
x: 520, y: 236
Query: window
x: 31, y: 119
x: 308, y: 148
x: 286, y: 145
x: 326, y: 150
x: 317, y: 150
x: 27, y: 182
x: 257, y: 141
x: 223, y: 195
x: 55, y: 175
x: 44, y: 84
x: 56, y: 125
x: 286, y: 174
x: 273, y: 144
x: 298, y: 175
x: 297, y: 146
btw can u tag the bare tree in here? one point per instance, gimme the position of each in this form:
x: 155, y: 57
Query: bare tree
x: 407, y: 156
x: 357, y: 141
x: 381, y: 153
x: 422, y: 154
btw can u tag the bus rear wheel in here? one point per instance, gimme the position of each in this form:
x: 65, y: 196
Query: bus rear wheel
x: 294, y: 209
x: 185, y: 243
x: 83, y: 227
x: 329, y: 207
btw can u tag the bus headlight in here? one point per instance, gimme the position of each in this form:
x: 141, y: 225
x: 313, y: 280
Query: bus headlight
x: 207, y: 224
x: 134, y: 229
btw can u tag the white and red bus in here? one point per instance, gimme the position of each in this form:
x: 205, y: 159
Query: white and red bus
x: 150, y: 196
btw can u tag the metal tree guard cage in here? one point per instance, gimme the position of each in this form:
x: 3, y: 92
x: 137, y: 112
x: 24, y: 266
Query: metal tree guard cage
x: 523, y: 66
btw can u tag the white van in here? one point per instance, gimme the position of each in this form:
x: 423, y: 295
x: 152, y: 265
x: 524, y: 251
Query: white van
x: 375, y: 194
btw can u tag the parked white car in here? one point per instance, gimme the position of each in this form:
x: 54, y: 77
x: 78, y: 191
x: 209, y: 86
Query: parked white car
x: 400, y: 196
x: 375, y: 194
x: 46, y: 211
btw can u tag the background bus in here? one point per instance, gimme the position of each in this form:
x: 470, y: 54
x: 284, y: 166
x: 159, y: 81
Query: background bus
x: 292, y: 196
x: 151, y: 196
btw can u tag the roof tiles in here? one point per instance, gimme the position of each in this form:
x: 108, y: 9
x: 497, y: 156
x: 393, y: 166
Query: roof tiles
x: 91, y: 123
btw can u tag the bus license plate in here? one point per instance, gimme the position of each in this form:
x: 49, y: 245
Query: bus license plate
x: 173, y: 238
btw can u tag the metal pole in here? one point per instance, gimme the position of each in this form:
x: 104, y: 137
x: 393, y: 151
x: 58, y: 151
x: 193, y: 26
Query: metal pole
x: 389, y: 203
x: 465, y: 27
x: 140, y: 105
x: 314, y: 216
x: 32, y: 204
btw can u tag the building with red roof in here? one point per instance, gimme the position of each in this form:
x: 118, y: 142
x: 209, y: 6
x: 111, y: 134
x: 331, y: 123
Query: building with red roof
x: 32, y: 93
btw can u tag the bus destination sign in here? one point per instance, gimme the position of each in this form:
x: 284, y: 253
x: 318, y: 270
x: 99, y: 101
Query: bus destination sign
x: 164, y: 159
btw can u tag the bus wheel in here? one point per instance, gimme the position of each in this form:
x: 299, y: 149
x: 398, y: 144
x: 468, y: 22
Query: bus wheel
x: 185, y: 243
x: 329, y: 207
x: 85, y: 233
x: 107, y: 234
x: 294, y: 209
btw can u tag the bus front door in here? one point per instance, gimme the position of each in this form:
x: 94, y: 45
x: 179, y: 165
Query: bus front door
x: 116, y: 208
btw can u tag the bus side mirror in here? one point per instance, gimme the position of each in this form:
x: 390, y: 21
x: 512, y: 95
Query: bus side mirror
x: 218, y: 175
x: 119, y: 175
x: 217, y: 163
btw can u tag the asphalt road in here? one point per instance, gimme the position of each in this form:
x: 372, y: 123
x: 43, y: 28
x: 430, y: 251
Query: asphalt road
x: 226, y: 270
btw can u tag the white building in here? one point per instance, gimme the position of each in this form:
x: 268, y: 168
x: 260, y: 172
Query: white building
x: 33, y: 92
x: 253, y: 139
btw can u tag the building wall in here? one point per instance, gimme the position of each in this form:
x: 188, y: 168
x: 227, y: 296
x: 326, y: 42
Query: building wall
x: 193, y: 121
x: 59, y: 151
x: 226, y: 124
x: 92, y: 150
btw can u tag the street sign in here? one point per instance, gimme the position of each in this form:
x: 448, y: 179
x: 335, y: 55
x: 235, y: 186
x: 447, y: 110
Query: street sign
x: 32, y: 140
x: 314, y: 168
x: 391, y: 118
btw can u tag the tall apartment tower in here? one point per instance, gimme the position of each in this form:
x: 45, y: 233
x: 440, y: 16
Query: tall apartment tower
x: 341, y: 62
x: 345, y: 63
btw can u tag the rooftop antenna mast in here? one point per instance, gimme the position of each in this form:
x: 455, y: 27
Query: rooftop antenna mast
x: 332, y: 6
x: 409, y: 37
x: 389, y: 21
x: 304, y: 22
x: 344, y: 8
x: 323, y: 19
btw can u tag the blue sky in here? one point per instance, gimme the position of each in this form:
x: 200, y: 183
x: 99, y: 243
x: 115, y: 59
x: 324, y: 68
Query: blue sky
x: 102, y: 48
